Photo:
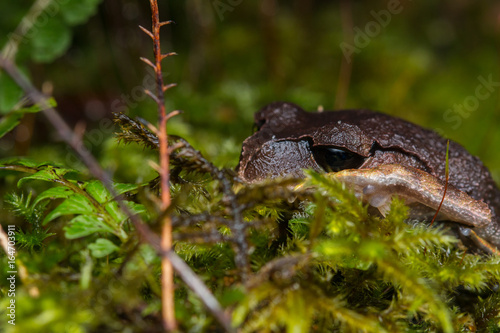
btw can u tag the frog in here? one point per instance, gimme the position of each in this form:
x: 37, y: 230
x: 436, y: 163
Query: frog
x: 378, y: 156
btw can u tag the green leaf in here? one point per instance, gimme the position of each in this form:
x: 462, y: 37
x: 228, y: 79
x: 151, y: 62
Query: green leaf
x: 102, y: 247
x: 10, y: 93
x: 84, y: 225
x: 116, y: 213
x: 97, y: 190
x: 121, y: 188
x: 114, y: 210
x: 46, y: 175
x: 12, y: 119
x: 76, y: 204
x: 37, y: 107
x: 19, y: 161
x: 9, y: 122
x: 50, y: 174
x: 50, y: 41
x: 78, y: 11
x: 136, y: 208
x: 53, y: 193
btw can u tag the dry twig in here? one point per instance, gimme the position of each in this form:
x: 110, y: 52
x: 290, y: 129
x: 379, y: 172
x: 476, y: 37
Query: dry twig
x: 65, y: 132
x: 166, y: 235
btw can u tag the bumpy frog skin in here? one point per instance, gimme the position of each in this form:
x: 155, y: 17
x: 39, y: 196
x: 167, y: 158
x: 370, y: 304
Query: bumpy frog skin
x: 378, y: 156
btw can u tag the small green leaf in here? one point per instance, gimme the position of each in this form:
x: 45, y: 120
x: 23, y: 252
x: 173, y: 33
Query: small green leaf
x: 53, y: 193
x: 9, y: 122
x: 136, y: 208
x: 49, y: 173
x: 10, y: 93
x: 46, y: 175
x: 37, y: 107
x: 10, y: 96
x: 121, y: 188
x: 116, y: 213
x: 102, y: 247
x: 97, y: 190
x: 19, y: 161
x: 76, y: 204
x: 12, y: 119
x: 84, y: 225
x: 114, y: 210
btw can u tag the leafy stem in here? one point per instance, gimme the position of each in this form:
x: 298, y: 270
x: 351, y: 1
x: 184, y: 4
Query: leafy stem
x: 57, y: 176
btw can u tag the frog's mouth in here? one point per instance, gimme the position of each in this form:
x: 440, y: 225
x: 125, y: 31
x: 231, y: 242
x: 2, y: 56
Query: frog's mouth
x: 416, y: 187
x: 423, y: 193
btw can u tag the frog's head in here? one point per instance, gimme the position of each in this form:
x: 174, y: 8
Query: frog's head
x: 288, y: 140
x: 380, y: 156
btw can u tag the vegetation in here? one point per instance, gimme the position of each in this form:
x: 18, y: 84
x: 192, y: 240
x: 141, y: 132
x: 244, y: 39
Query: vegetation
x: 277, y: 257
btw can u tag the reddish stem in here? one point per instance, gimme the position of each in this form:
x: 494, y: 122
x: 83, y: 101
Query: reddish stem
x: 447, y: 175
x: 168, y: 312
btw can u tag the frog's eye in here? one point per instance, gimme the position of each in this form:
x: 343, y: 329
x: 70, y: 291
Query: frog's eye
x: 335, y: 159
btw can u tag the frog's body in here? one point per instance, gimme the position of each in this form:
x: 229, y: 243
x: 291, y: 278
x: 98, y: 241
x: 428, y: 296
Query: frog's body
x: 290, y: 140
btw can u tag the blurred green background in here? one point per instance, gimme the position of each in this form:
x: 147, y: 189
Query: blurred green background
x: 422, y: 61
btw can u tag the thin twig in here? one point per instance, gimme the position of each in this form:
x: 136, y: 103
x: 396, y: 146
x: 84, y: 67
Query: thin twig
x: 447, y: 178
x: 168, y: 312
x: 203, y: 237
x: 184, y: 271
x: 147, y: 32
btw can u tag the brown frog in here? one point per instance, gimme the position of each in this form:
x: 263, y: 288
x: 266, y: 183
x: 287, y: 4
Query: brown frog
x: 378, y: 156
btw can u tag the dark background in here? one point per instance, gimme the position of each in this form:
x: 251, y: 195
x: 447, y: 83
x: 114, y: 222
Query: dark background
x: 234, y: 56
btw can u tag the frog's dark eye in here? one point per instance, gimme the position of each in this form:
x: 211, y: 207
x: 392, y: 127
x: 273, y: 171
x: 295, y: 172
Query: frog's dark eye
x: 335, y: 159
